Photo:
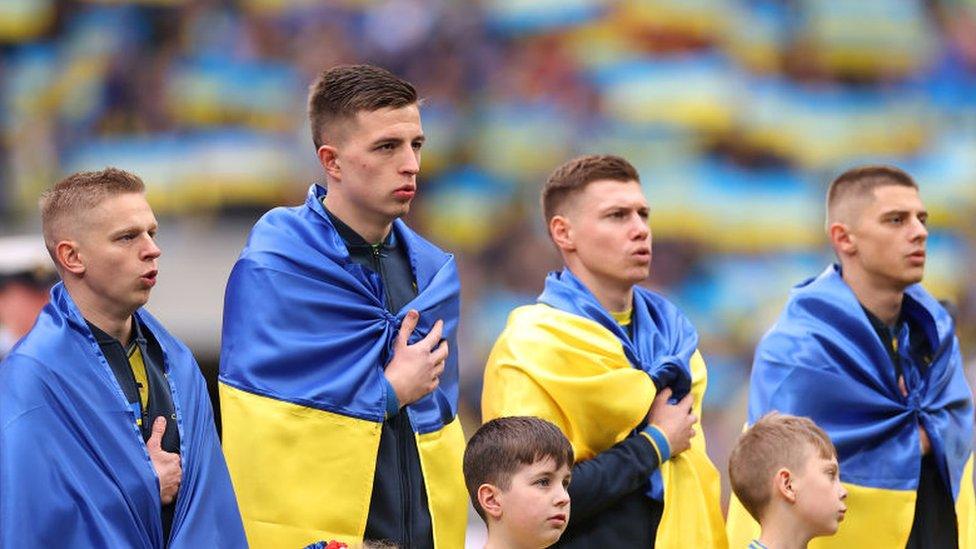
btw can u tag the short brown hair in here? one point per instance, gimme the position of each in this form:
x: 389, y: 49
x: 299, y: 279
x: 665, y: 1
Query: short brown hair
x: 343, y: 91
x: 78, y: 193
x: 775, y: 441
x: 503, y: 445
x: 860, y: 182
x: 573, y: 177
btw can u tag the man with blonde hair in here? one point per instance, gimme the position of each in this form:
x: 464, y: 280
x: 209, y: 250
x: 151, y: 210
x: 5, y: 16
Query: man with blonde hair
x: 865, y: 352
x: 106, y: 429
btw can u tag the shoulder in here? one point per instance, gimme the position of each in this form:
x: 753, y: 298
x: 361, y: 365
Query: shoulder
x: 540, y: 330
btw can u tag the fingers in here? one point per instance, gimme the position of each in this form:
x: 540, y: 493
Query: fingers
x: 154, y: 444
x: 435, y: 334
x: 439, y: 354
x: 407, y: 327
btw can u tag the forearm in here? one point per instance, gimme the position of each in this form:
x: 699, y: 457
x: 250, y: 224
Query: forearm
x: 612, y: 474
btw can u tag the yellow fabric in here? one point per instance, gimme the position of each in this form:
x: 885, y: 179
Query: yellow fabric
x: 301, y: 475
x: 876, y: 518
x: 966, y: 508
x: 573, y: 372
x: 622, y: 317
x: 142, y: 380
x: 441, y: 457
x: 304, y: 475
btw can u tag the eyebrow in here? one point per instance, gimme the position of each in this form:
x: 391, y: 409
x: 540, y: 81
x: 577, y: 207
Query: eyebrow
x: 396, y: 139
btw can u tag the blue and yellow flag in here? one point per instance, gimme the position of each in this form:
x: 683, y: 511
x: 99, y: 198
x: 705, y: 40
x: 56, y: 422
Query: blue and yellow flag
x: 566, y: 360
x: 306, y: 337
x: 74, y: 470
x: 823, y: 359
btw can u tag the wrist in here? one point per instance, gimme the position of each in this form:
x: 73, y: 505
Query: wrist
x: 659, y: 441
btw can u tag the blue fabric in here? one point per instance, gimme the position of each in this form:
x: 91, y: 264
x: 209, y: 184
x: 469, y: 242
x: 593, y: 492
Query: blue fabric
x: 663, y: 339
x: 823, y: 359
x: 74, y: 471
x: 317, y: 333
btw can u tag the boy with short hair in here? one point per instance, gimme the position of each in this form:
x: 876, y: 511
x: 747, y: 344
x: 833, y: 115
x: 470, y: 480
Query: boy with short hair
x: 517, y: 470
x: 784, y: 471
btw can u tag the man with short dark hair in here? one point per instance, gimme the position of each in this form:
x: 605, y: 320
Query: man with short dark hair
x: 106, y: 429
x: 338, y: 373
x: 873, y: 359
x: 601, y: 357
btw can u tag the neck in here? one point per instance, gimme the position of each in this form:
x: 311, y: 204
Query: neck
x: 782, y: 534
x: 373, y: 229
x: 882, y: 299
x: 612, y: 297
x: 498, y: 538
x: 116, y: 323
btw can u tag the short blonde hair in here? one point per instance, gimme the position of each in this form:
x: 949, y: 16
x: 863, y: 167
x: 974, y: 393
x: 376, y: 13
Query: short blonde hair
x: 77, y: 194
x: 775, y: 441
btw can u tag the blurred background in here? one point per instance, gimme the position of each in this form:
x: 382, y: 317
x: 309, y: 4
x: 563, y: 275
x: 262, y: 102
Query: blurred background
x: 737, y: 114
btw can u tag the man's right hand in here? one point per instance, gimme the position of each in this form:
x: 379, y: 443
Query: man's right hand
x: 416, y: 369
x: 675, y: 420
x: 167, y: 465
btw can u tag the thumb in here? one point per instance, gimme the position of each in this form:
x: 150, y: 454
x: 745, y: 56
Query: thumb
x: 407, y: 327
x: 154, y: 444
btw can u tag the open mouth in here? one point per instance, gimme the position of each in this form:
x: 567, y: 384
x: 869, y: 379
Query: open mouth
x: 149, y: 278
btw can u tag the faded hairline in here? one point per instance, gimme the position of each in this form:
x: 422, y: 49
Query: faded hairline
x: 64, y: 205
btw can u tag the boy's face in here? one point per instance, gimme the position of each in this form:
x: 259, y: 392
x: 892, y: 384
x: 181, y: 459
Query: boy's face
x: 820, y: 495
x: 535, y: 508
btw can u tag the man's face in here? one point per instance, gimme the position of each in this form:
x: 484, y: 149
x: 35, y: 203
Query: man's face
x: 609, y: 235
x: 535, y: 508
x: 820, y: 495
x: 889, y: 237
x: 378, y: 158
x: 118, y: 250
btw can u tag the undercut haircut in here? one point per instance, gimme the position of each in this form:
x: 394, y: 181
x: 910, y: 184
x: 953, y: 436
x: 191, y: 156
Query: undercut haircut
x: 775, y: 441
x: 504, y: 445
x: 77, y: 194
x: 341, y: 92
x: 858, y: 184
x: 572, y: 178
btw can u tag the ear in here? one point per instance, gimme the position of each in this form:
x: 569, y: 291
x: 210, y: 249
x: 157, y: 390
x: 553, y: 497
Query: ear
x: 783, y: 484
x: 69, y: 257
x: 489, y: 497
x: 329, y: 159
x: 561, y: 231
x: 841, y: 238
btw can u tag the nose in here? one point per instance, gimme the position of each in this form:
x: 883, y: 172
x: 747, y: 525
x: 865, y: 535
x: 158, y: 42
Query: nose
x: 411, y: 162
x: 562, y: 496
x: 641, y: 229
x: 921, y: 231
x: 151, y: 249
x: 843, y: 492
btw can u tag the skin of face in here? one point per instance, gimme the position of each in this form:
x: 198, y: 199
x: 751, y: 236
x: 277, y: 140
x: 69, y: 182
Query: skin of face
x: 885, y: 244
x: 605, y: 237
x: 115, y: 262
x: 820, y: 496
x: 371, y: 165
x: 535, y: 508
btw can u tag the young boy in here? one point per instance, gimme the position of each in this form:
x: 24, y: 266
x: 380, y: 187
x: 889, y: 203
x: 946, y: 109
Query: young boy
x: 517, y: 470
x: 784, y: 471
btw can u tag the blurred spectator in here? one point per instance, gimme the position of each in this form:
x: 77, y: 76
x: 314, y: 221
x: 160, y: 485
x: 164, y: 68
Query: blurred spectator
x: 26, y: 276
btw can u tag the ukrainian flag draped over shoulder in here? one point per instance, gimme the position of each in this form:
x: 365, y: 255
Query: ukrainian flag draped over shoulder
x: 823, y: 359
x: 74, y: 470
x: 566, y: 360
x: 306, y: 337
